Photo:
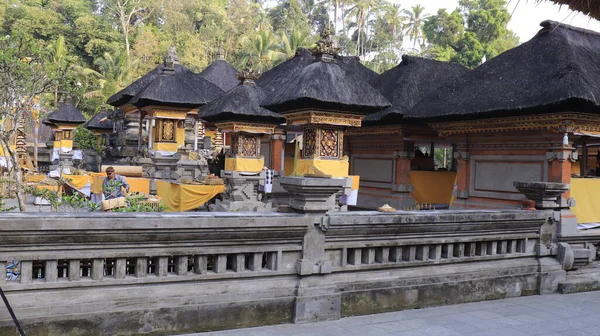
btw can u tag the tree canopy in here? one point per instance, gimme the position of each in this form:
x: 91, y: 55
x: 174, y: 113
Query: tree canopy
x: 110, y: 43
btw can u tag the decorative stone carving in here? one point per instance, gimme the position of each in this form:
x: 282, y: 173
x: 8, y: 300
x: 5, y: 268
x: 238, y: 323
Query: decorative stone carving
x: 242, y: 192
x: 314, y: 195
x: 547, y: 195
x: 460, y: 155
x: 562, y: 153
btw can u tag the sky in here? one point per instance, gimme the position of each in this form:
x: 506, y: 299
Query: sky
x: 526, y: 18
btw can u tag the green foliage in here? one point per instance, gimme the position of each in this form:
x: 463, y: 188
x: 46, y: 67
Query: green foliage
x: 476, y: 29
x: 84, y: 138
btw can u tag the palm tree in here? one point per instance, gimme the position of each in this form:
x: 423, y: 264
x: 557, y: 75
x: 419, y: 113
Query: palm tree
x: 58, y: 55
x: 264, y: 47
x: 414, y: 28
x: 116, y: 71
x: 361, y: 11
x: 292, y: 41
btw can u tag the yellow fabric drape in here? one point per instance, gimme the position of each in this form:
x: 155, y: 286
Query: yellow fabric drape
x: 77, y: 181
x: 432, y: 187
x: 586, y: 192
x: 138, y: 184
x: 167, y: 147
x: 335, y: 168
x: 185, y: 197
x: 35, y: 178
x: 47, y: 187
x: 244, y: 164
x: 97, y: 180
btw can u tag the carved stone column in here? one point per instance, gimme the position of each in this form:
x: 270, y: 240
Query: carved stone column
x: 277, y: 143
x: 560, y: 159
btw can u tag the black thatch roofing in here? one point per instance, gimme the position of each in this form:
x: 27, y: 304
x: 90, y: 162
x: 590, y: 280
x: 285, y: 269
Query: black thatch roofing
x: 557, y: 70
x: 326, y: 85
x: 66, y: 114
x: 353, y: 65
x: 221, y: 74
x: 241, y: 103
x: 122, y: 97
x: 408, y: 82
x: 176, y: 90
x: 99, y: 122
x: 273, y: 79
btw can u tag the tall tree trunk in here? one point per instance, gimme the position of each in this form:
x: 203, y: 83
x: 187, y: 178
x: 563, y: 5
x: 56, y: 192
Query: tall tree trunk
x: 16, y: 173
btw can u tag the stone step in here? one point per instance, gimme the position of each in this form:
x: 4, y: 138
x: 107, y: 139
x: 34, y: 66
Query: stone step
x: 578, y: 284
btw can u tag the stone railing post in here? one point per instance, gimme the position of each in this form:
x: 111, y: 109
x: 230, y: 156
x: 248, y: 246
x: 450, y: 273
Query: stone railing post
x: 317, y: 299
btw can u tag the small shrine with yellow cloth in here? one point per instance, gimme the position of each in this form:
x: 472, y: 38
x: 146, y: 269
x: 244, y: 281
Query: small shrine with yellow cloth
x: 239, y: 113
x: 63, y: 123
x: 100, y: 125
x: 172, y: 94
x: 324, y: 100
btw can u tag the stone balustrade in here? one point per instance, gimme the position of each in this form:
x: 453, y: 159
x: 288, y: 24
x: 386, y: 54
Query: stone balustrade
x: 165, y: 273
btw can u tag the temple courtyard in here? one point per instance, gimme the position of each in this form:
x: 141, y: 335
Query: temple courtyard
x: 548, y: 315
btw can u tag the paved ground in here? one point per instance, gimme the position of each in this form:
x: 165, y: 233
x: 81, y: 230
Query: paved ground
x: 549, y: 315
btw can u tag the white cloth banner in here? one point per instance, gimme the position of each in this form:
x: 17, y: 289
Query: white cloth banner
x: 77, y: 155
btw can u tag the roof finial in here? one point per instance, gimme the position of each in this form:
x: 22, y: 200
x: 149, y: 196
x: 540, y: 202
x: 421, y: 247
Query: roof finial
x: 325, y: 49
x: 171, y: 59
x: 248, y: 75
x: 221, y: 53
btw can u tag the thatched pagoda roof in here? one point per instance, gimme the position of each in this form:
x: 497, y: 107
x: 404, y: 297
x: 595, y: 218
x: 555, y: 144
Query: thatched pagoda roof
x: 588, y: 7
x: 273, y: 79
x: 65, y: 114
x: 99, y: 122
x: 326, y: 85
x: 122, y: 97
x: 241, y: 103
x: 221, y: 74
x: 169, y: 88
x: 353, y: 65
x: 408, y: 82
x: 557, y: 70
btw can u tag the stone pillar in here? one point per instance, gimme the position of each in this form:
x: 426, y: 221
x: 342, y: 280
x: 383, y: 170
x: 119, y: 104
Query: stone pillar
x: 547, y: 196
x: 242, y: 192
x: 463, y: 174
x: 559, y: 164
x: 317, y: 298
x: 402, y: 177
x: 277, y: 143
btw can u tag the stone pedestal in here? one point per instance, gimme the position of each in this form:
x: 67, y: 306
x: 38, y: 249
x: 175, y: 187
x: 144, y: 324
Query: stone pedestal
x: 164, y: 167
x: 314, y: 195
x: 242, y: 192
x: 548, y: 195
x: 193, y: 169
x: 66, y: 160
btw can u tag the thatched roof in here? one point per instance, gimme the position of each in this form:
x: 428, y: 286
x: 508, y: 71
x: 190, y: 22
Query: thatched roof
x: 591, y: 8
x: 221, y: 74
x: 99, y: 122
x: 274, y: 78
x: 408, y: 82
x: 173, y: 89
x: 122, y: 97
x: 326, y: 85
x: 241, y: 103
x: 353, y: 65
x: 557, y: 70
x: 66, y: 114
x: 282, y: 73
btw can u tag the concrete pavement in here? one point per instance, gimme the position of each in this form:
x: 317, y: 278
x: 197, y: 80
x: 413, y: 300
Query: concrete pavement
x: 548, y: 315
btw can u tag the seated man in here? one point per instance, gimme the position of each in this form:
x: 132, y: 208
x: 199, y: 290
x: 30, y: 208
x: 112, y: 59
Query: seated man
x: 113, y: 184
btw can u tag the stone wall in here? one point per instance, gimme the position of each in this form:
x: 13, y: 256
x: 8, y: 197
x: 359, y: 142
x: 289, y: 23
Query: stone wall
x: 169, y: 273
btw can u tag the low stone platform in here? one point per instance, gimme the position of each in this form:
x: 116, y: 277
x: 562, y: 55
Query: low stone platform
x: 549, y: 315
